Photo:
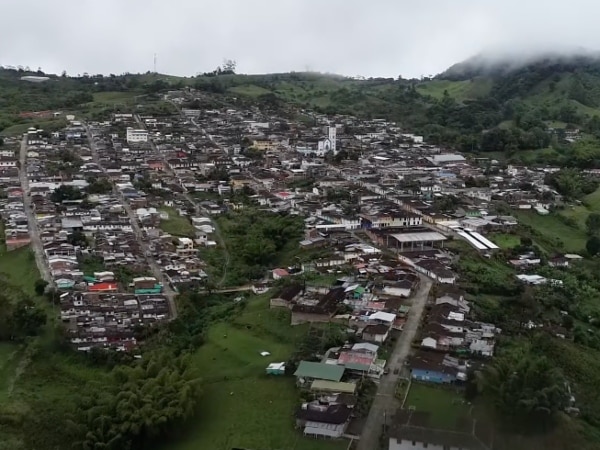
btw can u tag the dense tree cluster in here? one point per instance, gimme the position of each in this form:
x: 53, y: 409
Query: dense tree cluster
x: 19, y: 318
x: 571, y: 183
x: 259, y: 239
x: 138, y: 406
x: 528, y: 389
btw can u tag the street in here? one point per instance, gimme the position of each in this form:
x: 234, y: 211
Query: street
x: 154, y: 267
x: 385, y: 403
x: 34, y: 232
x: 200, y: 210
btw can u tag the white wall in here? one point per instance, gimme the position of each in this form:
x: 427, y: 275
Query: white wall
x: 408, y: 445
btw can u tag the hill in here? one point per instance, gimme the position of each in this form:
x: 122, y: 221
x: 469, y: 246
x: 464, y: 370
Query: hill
x: 502, y: 105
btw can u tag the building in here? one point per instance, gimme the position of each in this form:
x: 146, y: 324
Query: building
x: 277, y: 368
x: 325, y: 421
x: 329, y: 143
x: 136, y: 135
x: 409, y: 431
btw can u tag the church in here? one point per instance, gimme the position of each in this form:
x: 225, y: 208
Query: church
x: 329, y: 143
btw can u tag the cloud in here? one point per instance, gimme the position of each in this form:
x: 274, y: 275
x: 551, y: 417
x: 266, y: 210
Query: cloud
x: 350, y: 37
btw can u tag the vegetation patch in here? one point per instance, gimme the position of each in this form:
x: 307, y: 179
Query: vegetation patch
x: 176, y: 224
x: 240, y: 405
x: 445, y: 405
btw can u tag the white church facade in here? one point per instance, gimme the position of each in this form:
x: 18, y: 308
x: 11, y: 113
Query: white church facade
x: 324, y: 146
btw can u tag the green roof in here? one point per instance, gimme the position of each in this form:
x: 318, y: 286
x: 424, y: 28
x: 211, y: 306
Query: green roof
x: 320, y: 371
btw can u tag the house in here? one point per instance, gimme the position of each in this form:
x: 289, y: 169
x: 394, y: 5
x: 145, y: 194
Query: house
x: 376, y: 333
x: 280, y: 273
x: 134, y: 135
x: 287, y: 296
x: 409, y: 431
x: 309, y: 371
x: 430, y: 367
x: 185, y: 247
x: 328, y: 421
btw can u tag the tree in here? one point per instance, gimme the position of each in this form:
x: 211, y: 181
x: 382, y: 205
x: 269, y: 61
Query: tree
x: 137, y: 404
x: 592, y: 223
x: 526, y: 388
x: 65, y: 192
x: 593, y: 245
x: 40, y: 286
x: 229, y: 66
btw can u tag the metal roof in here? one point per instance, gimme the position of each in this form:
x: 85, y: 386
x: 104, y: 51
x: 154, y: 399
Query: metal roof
x: 419, y: 237
x: 320, y: 371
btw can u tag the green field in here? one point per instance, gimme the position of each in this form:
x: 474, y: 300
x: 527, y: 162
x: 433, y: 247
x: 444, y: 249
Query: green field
x: 590, y: 204
x: 176, y: 225
x: 460, y: 90
x: 550, y: 233
x: 505, y: 240
x: 114, y: 97
x: 240, y: 405
x: 444, y: 405
x: 250, y: 90
x: 44, y: 124
x: 9, y: 358
x: 19, y: 268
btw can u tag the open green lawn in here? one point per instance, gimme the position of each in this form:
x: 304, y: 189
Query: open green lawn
x: 9, y: 359
x: 44, y: 124
x: 505, y: 240
x: 114, y: 97
x: 240, y: 405
x: 19, y: 266
x: 591, y: 204
x: 460, y: 90
x: 444, y: 405
x: 250, y: 90
x: 176, y: 225
x: 550, y: 233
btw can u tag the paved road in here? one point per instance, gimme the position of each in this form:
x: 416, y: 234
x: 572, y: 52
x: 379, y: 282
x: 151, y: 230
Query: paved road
x: 154, y: 267
x: 34, y: 232
x: 385, y: 403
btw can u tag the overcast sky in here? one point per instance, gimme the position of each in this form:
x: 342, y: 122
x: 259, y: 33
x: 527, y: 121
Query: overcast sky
x: 350, y: 37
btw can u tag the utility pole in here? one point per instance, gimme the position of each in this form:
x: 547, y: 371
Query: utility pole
x: 155, y: 63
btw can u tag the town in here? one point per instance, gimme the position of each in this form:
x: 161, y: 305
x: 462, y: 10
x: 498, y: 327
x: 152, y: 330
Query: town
x: 401, y: 243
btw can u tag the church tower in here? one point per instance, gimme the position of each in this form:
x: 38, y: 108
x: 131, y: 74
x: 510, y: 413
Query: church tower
x: 332, y: 139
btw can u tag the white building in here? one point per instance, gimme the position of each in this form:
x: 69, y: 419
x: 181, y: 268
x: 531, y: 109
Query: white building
x: 328, y: 144
x: 135, y: 135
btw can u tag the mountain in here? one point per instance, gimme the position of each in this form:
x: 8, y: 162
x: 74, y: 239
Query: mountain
x: 499, y: 103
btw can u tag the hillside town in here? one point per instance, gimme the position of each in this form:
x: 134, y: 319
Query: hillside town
x: 122, y: 213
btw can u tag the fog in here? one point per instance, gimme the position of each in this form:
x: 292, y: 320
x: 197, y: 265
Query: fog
x: 349, y: 37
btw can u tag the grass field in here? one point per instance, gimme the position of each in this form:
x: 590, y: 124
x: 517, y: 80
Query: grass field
x: 19, y: 267
x: 9, y: 358
x: 240, y: 405
x: 460, y: 90
x: 504, y: 240
x: 176, y: 225
x: 114, y: 97
x: 444, y: 405
x: 44, y: 124
x: 551, y: 234
x: 591, y: 204
x: 250, y: 90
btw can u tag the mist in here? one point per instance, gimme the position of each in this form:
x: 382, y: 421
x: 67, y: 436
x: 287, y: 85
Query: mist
x: 350, y: 37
